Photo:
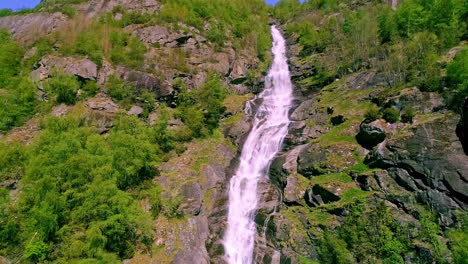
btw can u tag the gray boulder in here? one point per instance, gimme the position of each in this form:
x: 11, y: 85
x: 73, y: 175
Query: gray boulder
x: 145, y: 81
x: 83, y: 68
x: 370, y: 136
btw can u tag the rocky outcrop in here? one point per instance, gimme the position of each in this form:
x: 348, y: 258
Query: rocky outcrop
x: 430, y: 163
x: 31, y: 27
x: 319, y: 195
x: 145, y: 82
x: 82, y: 68
x: 163, y: 36
x: 462, y: 127
x: 102, y: 103
x: 370, y: 135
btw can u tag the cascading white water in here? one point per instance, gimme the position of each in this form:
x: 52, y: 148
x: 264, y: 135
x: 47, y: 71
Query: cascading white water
x: 270, y: 126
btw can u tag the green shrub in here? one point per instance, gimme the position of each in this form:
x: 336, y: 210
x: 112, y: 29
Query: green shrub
x: 408, y: 114
x: 127, y: 50
x: 371, y: 115
x: 5, y: 12
x: 12, y: 158
x: 161, y: 134
x: 457, y: 80
x: 391, y: 115
x: 69, y: 11
x: 10, y: 58
x: 17, y: 103
x: 37, y: 251
x: 458, y: 240
x: 89, y: 89
x: 64, y: 87
x: 201, y: 109
x: 119, y: 89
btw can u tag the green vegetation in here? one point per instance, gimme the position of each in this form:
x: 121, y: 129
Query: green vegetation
x: 17, y: 92
x: 391, y: 115
x: 236, y: 16
x: 457, y: 79
x: 73, y: 194
x: 64, y: 87
x: 202, y: 109
x: 372, y: 233
x: 338, y: 37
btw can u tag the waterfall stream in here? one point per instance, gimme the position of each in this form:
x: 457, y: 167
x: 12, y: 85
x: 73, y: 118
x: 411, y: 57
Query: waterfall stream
x: 270, y: 126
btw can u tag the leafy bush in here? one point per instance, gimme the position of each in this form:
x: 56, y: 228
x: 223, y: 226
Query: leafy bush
x: 161, y: 134
x: 457, y: 80
x: 72, y: 204
x: 12, y: 157
x: 119, y: 90
x: 365, y: 235
x: 201, y: 109
x: 89, y: 89
x: 64, y: 87
x: 408, y: 114
x: 391, y: 115
x: 10, y: 58
x: 126, y: 50
x: 37, y: 251
x: 69, y: 11
x: 371, y: 115
x: 5, y: 12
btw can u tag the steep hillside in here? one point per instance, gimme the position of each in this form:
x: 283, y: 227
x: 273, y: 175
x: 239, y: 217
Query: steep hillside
x: 122, y: 122
x: 111, y: 122
x: 374, y: 169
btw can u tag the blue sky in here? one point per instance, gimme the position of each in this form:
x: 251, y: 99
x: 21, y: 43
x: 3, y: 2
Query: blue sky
x: 16, y: 4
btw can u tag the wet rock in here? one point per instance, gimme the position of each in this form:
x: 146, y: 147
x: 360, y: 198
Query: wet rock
x: 318, y: 195
x: 462, y: 127
x: 236, y: 131
x: 370, y: 136
x: 192, y: 194
x: 430, y: 163
x: 285, y: 165
x: 193, y: 248
x: 302, y: 111
x: 83, y: 68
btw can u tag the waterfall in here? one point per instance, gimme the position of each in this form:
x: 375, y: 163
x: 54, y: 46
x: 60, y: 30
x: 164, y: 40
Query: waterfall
x: 270, y: 126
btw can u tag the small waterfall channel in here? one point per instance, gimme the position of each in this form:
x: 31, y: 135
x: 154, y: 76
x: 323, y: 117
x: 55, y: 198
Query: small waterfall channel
x: 270, y: 126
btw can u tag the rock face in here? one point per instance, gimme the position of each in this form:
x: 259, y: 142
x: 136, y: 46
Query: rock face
x: 29, y: 28
x: 462, y: 127
x: 370, y: 136
x: 83, y: 68
x: 429, y: 162
x: 319, y: 195
x: 145, y: 81
x: 163, y: 36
